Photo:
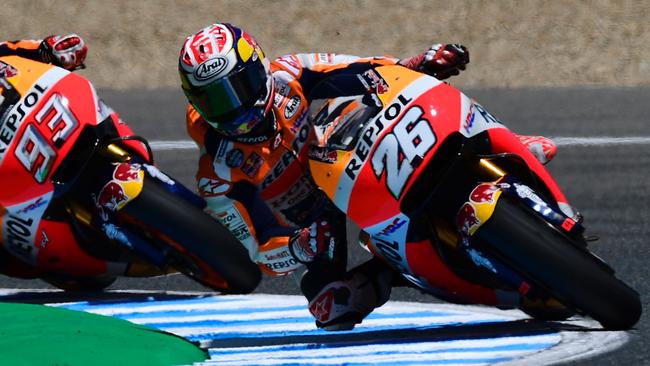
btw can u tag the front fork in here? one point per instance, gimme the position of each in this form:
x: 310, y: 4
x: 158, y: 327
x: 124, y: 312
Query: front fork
x: 480, y: 206
x: 122, y: 182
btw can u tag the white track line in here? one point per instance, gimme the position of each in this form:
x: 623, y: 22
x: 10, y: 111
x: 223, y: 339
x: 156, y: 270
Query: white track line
x: 592, y: 141
x: 163, y: 145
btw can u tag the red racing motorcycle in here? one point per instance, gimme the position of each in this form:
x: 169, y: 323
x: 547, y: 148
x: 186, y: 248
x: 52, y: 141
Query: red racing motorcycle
x: 447, y: 196
x: 82, y: 202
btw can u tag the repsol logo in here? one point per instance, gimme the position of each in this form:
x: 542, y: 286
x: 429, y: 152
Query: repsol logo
x: 298, y: 142
x: 371, y: 133
x: 210, y: 68
x: 393, y: 227
x: 10, y: 125
x: 19, y: 235
x: 286, y: 264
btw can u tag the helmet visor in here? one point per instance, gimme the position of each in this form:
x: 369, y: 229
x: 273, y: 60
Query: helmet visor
x: 227, y: 98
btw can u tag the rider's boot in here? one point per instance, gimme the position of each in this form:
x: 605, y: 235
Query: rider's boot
x: 340, y: 305
x: 543, y: 148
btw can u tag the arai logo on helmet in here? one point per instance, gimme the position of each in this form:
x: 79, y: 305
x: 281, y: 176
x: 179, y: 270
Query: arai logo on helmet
x: 210, y: 68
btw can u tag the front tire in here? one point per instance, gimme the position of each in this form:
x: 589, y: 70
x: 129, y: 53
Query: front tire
x: 548, y: 258
x: 201, y: 247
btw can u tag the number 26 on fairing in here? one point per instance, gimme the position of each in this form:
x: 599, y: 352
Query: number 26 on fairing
x: 411, y: 139
x: 34, y: 151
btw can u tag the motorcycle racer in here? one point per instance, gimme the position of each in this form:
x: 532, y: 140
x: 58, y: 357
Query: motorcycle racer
x: 248, y: 115
x: 68, y: 52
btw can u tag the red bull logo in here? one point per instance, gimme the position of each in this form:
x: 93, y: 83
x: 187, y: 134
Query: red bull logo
x: 466, y: 219
x: 484, y: 193
x: 111, y: 196
x: 127, y: 172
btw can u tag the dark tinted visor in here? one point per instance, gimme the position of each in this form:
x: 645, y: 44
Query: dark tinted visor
x: 225, y: 98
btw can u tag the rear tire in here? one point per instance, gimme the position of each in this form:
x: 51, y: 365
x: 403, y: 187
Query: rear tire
x: 548, y: 258
x: 205, y: 244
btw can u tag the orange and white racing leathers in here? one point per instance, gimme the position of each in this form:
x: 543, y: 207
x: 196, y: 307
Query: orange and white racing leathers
x: 259, y: 187
x: 24, y: 48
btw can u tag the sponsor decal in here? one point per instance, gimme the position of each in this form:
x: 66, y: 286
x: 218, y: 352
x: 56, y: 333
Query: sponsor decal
x: 322, y: 306
x: 480, y: 260
x: 525, y: 192
x: 10, y: 125
x: 298, y: 143
x: 469, y: 120
x: 252, y: 164
x: 484, y: 193
x: 158, y: 174
x: 7, y: 71
x: 277, y: 100
x: 373, y: 82
x: 210, y: 68
x: 44, y: 239
x: 19, y: 227
x: 234, y: 222
x: 234, y: 158
x: 241, y: 232
x: 296, y: 125
x: 370, y: 134
x: 478, y: 119
x: 392, y: 227
x: 466, y: 219
x: 284, y: 266
x: 230, y: 217
x: 282, y: 90
x: 115, y: 233
x: 110, y: 198
x: 296, y: 201
x: 292, y: 107
x: 390, y: 250
x: 277, y: 140
x: 32, y: 206
x: 325, y: 58
x: 210, y: 187
x: 19, y: 233
x: 279, y: 261
x: 251, y: 140
x: 221, y: 150
x: 323, y: 154
x: 127, y: 172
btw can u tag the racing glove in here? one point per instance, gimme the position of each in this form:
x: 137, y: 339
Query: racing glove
x: 68, y: 51
x: 308, y: 243
x: 440, y: 61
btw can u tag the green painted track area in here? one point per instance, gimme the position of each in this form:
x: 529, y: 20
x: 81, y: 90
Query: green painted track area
x: 40, y: 335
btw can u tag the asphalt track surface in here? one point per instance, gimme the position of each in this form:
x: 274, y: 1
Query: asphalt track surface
x: 606, y: 179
